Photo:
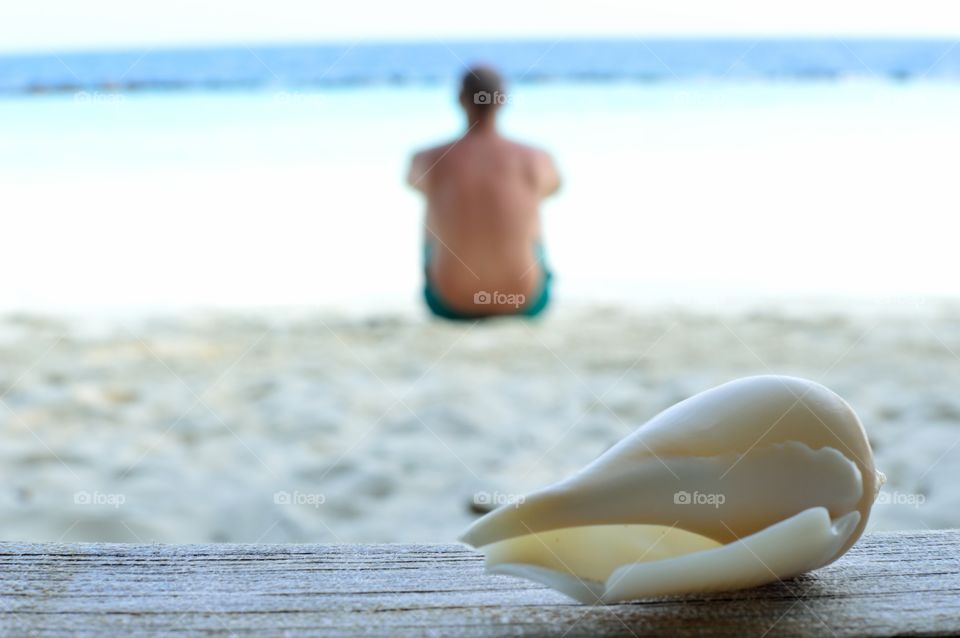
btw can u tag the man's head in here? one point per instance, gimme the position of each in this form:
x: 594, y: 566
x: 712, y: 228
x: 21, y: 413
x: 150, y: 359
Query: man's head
x: 481, y: 92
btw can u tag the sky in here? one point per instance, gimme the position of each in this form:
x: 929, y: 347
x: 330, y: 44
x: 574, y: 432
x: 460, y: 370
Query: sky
x: 61, y: 25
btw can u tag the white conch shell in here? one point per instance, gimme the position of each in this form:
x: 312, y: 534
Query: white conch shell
x: 754, y: 481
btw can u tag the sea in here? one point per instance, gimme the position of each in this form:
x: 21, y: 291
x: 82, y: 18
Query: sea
x: 695, y: 170
x: 400, y: 63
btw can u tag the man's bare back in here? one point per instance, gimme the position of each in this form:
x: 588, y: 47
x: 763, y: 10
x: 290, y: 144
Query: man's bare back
x: 482, y: 230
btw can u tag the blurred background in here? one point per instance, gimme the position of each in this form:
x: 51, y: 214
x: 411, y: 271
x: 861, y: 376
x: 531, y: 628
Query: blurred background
x: 210, y: 315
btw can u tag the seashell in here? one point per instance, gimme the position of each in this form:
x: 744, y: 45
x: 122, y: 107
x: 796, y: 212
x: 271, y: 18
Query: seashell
x: 754, y: 481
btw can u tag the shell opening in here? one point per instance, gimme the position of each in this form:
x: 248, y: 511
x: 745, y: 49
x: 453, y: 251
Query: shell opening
x: 610, y: 547
x: 659, y: 560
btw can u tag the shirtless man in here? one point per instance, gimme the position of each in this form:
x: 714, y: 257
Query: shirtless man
x: 482, y: 233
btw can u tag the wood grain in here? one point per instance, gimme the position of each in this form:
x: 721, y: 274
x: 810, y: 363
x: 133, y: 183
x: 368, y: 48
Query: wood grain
x: 905, y: 583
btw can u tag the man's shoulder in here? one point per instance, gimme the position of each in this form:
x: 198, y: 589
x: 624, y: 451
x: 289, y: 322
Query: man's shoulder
x: 541, y: 167
x: 432, y: 152
x: 529, y: 151
x: 423, y: 162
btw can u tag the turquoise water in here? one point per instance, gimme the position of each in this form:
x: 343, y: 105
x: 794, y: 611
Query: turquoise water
x: 682, y: 191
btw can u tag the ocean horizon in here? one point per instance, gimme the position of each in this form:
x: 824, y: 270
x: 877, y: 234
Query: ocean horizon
x: 659, y: 59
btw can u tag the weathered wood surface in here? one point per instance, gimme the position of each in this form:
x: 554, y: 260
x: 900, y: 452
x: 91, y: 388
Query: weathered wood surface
x: 888, y: 584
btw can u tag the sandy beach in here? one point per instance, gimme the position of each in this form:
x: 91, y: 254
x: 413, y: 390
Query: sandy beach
x: 280, y: 427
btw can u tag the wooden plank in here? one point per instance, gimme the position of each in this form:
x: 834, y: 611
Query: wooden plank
x: 905, y: 583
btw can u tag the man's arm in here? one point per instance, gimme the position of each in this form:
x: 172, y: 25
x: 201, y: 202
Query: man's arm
x: 548, y: 176
x: 419, y: 168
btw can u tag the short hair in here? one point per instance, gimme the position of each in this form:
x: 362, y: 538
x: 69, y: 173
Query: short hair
x: 482, y: 88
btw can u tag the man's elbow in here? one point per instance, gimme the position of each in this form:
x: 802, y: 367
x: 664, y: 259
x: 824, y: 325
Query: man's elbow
x: 415, y: 181
x: 552, y: 186
x: 416, y: 173
x: 413, y: 177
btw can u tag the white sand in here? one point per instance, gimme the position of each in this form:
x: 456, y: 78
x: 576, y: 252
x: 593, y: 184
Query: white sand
x: 382, y: 429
